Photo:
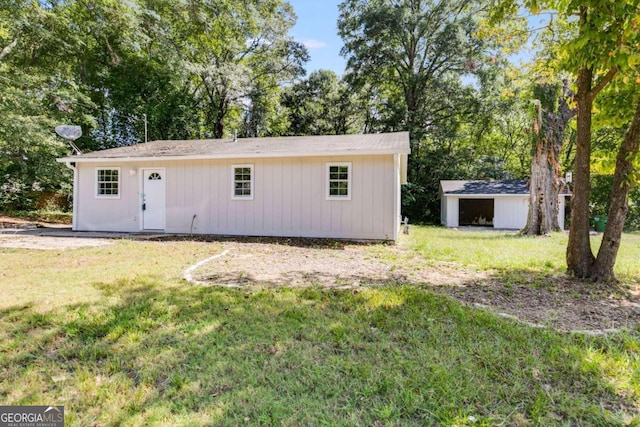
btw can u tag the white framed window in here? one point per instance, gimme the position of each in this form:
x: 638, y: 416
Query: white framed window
x: 242, y: 182
x: 108, y: 183
x: 338, y: 181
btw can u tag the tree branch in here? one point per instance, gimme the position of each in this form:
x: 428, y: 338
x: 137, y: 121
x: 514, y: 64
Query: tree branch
x: 604, y: 82
x: 8, y: 48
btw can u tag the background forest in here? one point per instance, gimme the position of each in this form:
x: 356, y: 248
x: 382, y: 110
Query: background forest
x: 442, y: 70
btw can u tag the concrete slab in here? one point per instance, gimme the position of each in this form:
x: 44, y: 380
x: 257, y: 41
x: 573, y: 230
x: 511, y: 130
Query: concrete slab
x: 67, y: 232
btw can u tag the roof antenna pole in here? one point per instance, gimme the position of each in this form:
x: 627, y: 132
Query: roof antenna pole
x: 145, y: 128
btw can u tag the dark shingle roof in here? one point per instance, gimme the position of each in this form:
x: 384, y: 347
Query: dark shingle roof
x: 504, y: 186
x: 507, y: 186
x: 291, y: 146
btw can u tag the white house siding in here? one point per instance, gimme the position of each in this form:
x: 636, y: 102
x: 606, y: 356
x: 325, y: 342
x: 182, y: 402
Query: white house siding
x: 289, y: 198
x: 561, y: 207
x: 106, y: 214
x: 397, y: 162
x: 453, y: 207
x: 510, y: 211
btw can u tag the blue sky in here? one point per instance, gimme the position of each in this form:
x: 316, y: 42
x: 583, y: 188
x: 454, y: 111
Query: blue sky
x: 317, y: 29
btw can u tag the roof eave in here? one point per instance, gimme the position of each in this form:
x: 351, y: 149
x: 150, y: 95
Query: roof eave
x: 81, y: 159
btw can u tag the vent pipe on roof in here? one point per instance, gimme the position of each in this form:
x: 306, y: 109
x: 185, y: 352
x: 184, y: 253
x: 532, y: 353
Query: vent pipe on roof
x: 235, y: 135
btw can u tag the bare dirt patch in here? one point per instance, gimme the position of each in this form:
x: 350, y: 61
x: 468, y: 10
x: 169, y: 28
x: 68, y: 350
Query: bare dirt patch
x: 561, y: 302
x: 558, y: 302
x: 48, y: 243
x: 348, y: 266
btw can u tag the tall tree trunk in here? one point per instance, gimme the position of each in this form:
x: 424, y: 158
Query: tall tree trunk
x: 603, y: 269
x: 580, y: 259
x: 544, y: 189
x: 545, y: 185
x: 221, y: 112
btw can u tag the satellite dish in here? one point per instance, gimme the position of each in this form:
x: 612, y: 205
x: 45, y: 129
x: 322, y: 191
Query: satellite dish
x: 69, y: 132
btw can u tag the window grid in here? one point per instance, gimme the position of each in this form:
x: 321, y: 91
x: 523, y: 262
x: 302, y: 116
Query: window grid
x: 108, y: 182
x: 339, y: 181
x: 242, y: 182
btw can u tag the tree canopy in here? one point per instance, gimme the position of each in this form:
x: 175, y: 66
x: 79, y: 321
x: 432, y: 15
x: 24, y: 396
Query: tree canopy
x: 193, y: 69
x: 427, y: 62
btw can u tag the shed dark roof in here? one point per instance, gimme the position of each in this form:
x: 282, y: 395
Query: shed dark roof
x: 290, y: 146
x: 505, y: 186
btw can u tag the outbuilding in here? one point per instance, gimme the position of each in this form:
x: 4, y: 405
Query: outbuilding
x: 345, y: 186
x: 500, y: 204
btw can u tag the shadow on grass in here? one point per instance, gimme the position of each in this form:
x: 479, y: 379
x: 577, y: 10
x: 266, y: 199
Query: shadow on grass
x: 300, y: 242
x: 298, y: 279
x: 551, y: 299
x: 484, y: 235
x: 394, y: 355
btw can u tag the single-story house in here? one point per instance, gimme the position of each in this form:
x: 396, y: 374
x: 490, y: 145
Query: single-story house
x: 345, y: 186
x: 499, y: 204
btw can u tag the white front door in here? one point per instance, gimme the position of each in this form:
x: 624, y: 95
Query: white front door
x: 153, y: 199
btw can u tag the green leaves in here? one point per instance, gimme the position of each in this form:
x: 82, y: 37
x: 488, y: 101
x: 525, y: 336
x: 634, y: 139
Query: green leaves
x: 189, y: 66
x: 322, y: 104
x: 430, y: 67
x: 229, y: 51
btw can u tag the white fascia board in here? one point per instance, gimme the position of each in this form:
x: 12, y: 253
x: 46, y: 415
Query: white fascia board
x: 80, y: 159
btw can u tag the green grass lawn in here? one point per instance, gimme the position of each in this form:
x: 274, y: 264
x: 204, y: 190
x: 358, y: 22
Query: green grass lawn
x: 117, y: 337
x: 509, y: 252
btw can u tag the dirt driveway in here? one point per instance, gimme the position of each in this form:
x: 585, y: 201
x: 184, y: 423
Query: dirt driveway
x: 559, y: 302
x: 18, y: 233
x: 51, y: 243
x: 23, y: 234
